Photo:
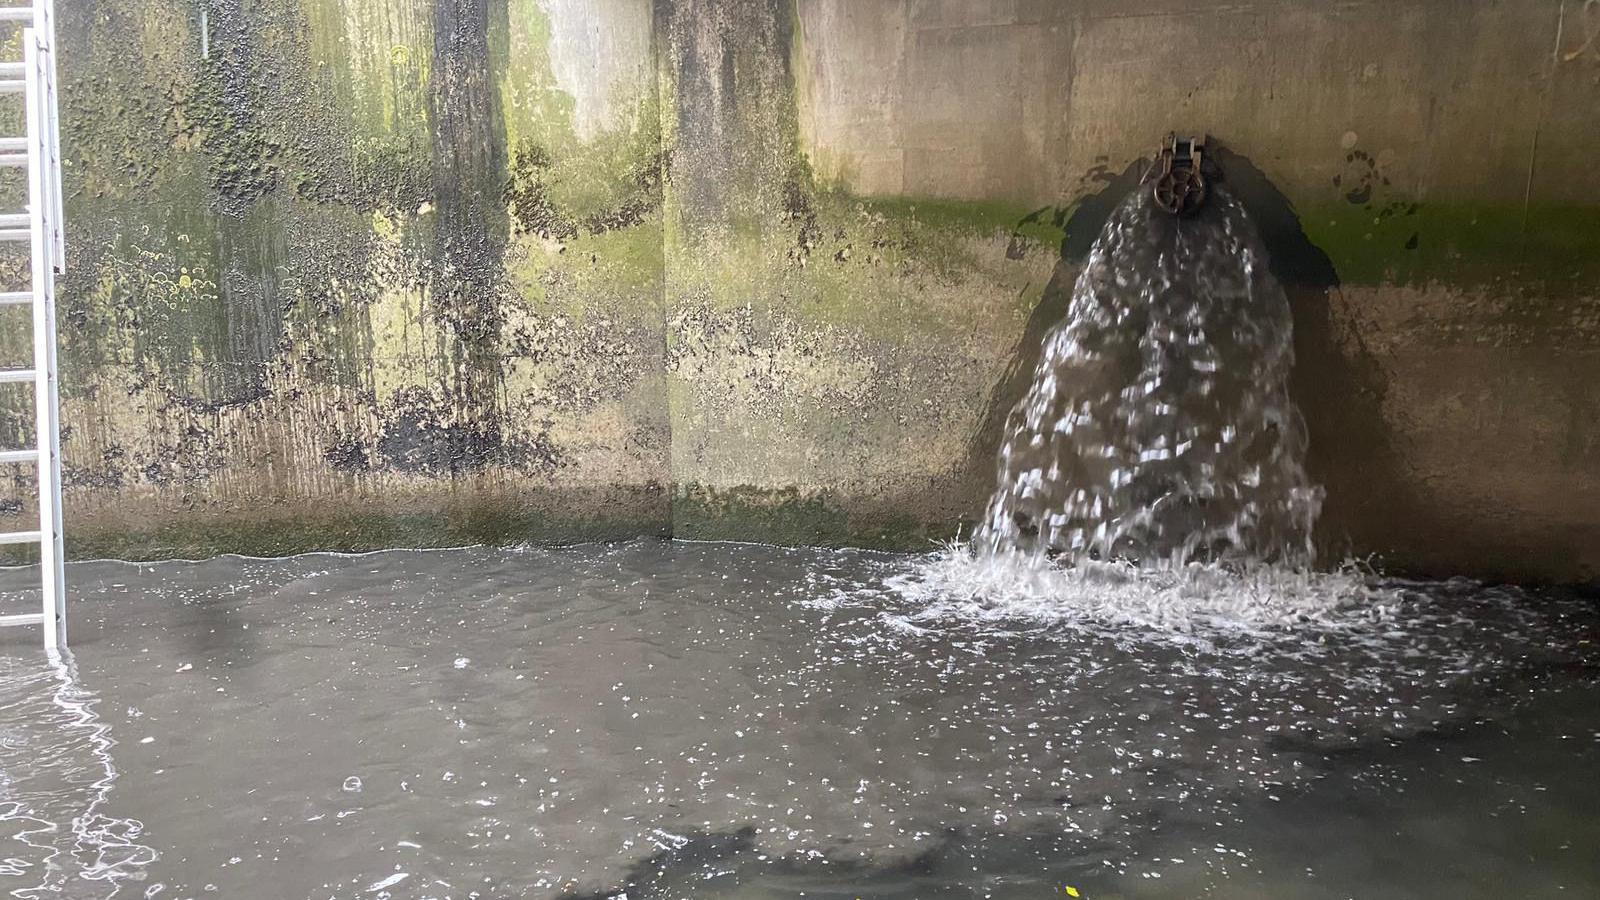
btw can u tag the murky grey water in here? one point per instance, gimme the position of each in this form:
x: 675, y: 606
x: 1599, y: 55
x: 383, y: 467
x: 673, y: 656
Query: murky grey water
x: 689, y: 720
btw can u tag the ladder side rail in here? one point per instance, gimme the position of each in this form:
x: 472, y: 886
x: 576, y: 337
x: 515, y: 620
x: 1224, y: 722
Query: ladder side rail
x: 58, y: 219
x: 46, y: 398
x: 54, y: 544
x: 52, y: 383
x: 58, y: 228
x: 45, y: 25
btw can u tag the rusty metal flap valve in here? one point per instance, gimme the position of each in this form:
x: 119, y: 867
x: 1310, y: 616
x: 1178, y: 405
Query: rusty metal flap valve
x: 1181, y: 187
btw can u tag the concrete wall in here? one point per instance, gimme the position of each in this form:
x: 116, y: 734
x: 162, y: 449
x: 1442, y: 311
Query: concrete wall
x: 1420, y: 166
x: 354, y: 273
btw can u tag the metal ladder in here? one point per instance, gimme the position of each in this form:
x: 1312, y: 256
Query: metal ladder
x: 38, y: 152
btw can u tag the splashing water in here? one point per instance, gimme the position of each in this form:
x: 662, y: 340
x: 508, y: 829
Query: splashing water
x: 1154, y: 472
x: 55, y: 788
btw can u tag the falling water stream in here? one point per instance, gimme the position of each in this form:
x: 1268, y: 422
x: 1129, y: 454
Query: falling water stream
x: 1159, y: 427
x: 1154, y: 473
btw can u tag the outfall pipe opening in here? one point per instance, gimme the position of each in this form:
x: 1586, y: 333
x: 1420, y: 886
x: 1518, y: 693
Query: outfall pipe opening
x: 1181, y: 185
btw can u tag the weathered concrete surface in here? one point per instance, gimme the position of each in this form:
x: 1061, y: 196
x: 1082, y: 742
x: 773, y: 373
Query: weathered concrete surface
x: 1423, y: 162
x: 831, y: 357
x: 368, y: 272
x: 358, y: 273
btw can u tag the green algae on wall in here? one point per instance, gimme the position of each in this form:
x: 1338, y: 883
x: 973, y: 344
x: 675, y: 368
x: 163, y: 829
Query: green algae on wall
x: 832, y: 358
x: 1557, y: 247
x: 790, y: 517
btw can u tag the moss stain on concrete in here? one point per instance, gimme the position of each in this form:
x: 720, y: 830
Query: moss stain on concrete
x: 250, y: 324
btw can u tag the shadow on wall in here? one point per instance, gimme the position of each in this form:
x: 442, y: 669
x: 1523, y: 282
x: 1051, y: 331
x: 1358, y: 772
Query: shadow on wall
x: 1081, y: 224
x: 1337, y: 382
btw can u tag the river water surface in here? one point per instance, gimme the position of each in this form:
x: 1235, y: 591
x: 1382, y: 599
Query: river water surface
x: 658, y: 719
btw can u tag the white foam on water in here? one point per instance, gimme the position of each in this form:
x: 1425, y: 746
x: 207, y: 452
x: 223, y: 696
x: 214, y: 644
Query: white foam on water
x: 1196, y: 601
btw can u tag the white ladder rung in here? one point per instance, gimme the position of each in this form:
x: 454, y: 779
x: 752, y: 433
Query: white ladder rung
x: 13, y: 70
x: 16, y: 14
x: 19, y: 456
x: 15, y: 234
x: 14, y: 160
x: 15, y: 298
x: 17, y: 376
x: 13, y: 145
x: 12, y: 86
x: 22, y: 619
x: 19, y: 537
x: 14, y: 220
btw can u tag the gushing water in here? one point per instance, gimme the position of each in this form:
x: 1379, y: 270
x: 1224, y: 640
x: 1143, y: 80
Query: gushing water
x: 1154, y: 475
x: 1159, y: 428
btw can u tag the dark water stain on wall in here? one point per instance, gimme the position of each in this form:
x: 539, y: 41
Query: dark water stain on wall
x: 729, y: 62
x: 467, y: 280
x: 289, y: 298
